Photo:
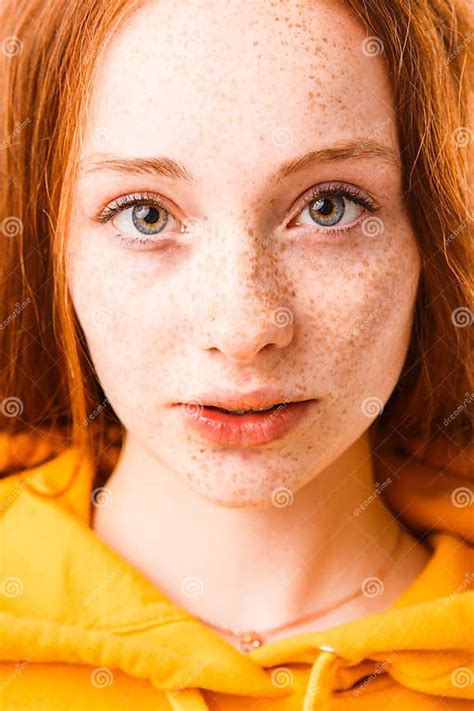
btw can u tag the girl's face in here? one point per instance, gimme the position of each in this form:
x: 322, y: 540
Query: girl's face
x: 240, y: 266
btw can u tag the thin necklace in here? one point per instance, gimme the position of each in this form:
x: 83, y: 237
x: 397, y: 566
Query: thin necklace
x: 250, y: 639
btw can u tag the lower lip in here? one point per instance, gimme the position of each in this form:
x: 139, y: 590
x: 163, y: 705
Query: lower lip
x: 247, y: 430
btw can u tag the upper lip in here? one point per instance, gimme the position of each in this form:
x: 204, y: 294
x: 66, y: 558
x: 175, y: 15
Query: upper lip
x: 260, y: 399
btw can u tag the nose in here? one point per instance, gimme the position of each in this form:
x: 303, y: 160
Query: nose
x: 245, y: 304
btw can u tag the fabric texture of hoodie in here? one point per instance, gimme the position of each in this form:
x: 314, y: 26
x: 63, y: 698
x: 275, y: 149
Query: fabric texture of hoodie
x: 81, y: 629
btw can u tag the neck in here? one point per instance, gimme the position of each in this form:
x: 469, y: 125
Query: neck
x: 249, y: 568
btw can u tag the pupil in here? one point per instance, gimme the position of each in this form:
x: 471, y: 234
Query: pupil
x: 151, y: 214
x: 149, y: 219
x: 327, y: 210
x: 325, y: 207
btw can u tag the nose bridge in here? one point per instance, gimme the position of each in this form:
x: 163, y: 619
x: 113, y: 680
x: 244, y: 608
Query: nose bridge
x: 244, y: 292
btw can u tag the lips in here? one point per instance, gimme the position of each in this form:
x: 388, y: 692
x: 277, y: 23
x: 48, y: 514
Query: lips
x: 246, y: 411
x: 257, y: 399
x: 247, y: 429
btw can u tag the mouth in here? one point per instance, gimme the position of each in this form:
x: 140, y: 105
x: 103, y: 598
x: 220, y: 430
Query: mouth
x: 247, y: 427
x: 257, y: 411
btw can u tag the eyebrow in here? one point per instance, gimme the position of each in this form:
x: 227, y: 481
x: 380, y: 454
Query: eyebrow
x: 170, y: 168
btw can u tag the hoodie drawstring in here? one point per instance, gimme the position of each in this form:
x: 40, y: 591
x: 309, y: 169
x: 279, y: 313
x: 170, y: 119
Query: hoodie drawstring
x: 316, y: 698
x: 321, y: 681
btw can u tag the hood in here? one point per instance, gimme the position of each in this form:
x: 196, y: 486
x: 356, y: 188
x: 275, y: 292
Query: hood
x: 68, y: 597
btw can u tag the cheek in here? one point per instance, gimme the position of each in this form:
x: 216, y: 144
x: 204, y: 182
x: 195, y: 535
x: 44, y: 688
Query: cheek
x: 127, y: 327
x: 360, y: 314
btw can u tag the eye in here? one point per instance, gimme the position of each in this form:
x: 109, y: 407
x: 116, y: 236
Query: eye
x: 139, y: 217
x: 329, y: 211
x: 337, y: 207
x: 146, y: 219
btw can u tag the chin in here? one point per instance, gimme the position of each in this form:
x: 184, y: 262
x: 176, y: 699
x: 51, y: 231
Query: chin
x: 232, y: 502
x: 239, y: 495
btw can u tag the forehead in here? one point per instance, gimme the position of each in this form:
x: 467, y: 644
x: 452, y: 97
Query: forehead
x: 216, y: 82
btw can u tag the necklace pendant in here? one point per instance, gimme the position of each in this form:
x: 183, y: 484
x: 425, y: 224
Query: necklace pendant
x: 249, y: 641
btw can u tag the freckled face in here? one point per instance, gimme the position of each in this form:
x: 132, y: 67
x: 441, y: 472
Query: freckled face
x: 232, y: 278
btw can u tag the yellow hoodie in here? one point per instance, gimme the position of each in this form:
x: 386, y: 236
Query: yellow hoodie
x: 81, y: 629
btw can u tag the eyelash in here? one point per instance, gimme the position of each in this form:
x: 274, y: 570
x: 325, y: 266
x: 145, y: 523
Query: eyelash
x: 334, y: 189
x: 126, y: 201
